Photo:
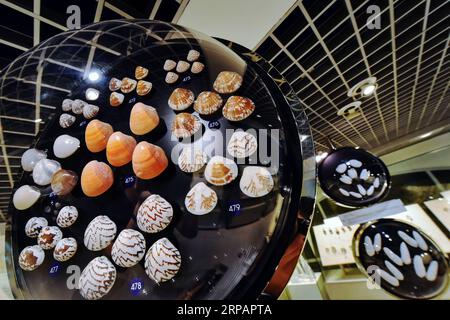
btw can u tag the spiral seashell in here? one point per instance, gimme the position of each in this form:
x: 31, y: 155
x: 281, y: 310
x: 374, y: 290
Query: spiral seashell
x: 99, y: 233
x: 114, y: 84
x: 128, y: 249
x: 65, y: 249
x: 192, y: 159
x: 162, y: 261
x: 67, y: 105
x: 97, y: 134
x: 119, y: 149
x: 140, y: 72
x: 220, y: 171
x: 67, y: 216
x: 201, y: 199
x: 97, y: 278
x: 63, y: 182
x: 256, y: 182
x: 227, y: 82
x: 149, y: 160
x: 128, y: 85
x: 65, y: 145
x: 181, y: 99
x: 242, y: 144
x: 31, y: 258
x: 197, y: 67
x: 169, y: 65
x: 238, y: 108
x: 66, y: 120
x: 96, y: 178
x: 208, y: 102
x: 185, y: 125
x: 25, y: 197
x: 116, y: 99
x: 34, y: 226
x: 31, y: 157
x: 90, y: 111
x: 182, y: 66
x: 143, y: 87
x: 143, y: 119
x: 154, y: 214
x: 171, y: 77
x: 44, y: 170
x: 78, y: 106
x: 48, y: 237
x: 193, y: 55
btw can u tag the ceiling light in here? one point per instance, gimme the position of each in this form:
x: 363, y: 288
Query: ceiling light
x: 321, y: 156
x: 92, y: 94
x: 38, y: 120
x: 350, y: 111
x: 363, y: 88
x: 368, y: 90
x: 94, y: 76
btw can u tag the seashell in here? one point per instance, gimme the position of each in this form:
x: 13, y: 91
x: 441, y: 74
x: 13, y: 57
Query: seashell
x: 63, y: 182
x: 99, y: 233
x: 227, y: 82
x: 182, y: 66
x: 143, y: 119
x: 208, y: 102
x: 48, y: 237
x: 393, y: 269
x: 370, y: 190
x: 128, y: 85
x: 77, y: 106
x: 91, y: 94
x: 143, y: 87
x: 97, y: 134
x: 420, y: 241
x: 181, y: 99
x: 129, y: 248
x: 162, y: 261
x: 368, y: 246
x: 409, y: 240
x: 361, y: 190
x: 25, y: 197
x: 391, y: 255
x: 31, y: 157
x: 140, y: 72
x: 96, y: 178
x: 116, y: 99
x: 65, y: 249
x: 97, y: 278
x: 419, y: 267
x: 119, y: 149
x: 169, y: 65
x: 154, y: 214
x: 66, y: 120
x: 200, y: 199
x: 238, y: 108
x: 355, y: 163
x: 393, y: 281
x: 352, y: 173
x: 377, y: 244
x: 149, y: 160
x: 67, y: 105
x: 193, y: 55
x: 90, y: 111
x: 192, y: 159
x: 376, y: 182
x: 197, y: 67
x: 171, y: 77
x: 344, y: 192
x: 355, y: 194
x: 44, y: 170
x: 364, y: 175
x: 404, y: 253
x: 345, y: 179
x: 242, y: 144
x: 220, y: 171
x: 432, y: 271
x: 31, y: 257
x: 67, y: 216
x: 65, y: 145
x: 114, y: 84
x: 341, y: 168
x: 34, y: 226
x: 256, y: 182
x: 185, y: 125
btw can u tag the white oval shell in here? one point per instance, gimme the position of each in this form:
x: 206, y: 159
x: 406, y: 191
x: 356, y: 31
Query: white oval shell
x: 355, y: 163
x: 31, y: 257
x: 404, y: 253
x: 97, y: 278
x: 341, y: 168
x: 65, y: 145
x: 100, y: 233
x: 345, y: 179
x: 66, y: 120
x: 256, y: 182
x: 90, y: 111
x: 432, y: 271
x: 192, y: 159
x: 376, y: 182
x: 77, y: 106
x: 386, y: 276
x: 361, y: 190
x: 44, y: 170
x: 391, y: 255
x: 355, y: 194
x: 408, y: 239
x: 242, y: 144
x: 352, y: 173
x: 34, y: 226
x: 49, y: 237
x: 393, y: 269
x: 220, y: 171
x: 67, y: 105
x: 31, y: 157
x: 25, y: 197
x: 162, y: 261
x: 370, y: 190
x: 420, y: 241
x: 65, y: 249
x: 129, y: 248
x: 67, y: 216
x: 344, y: 192
x: 154, y: 214
x: 368, y: 246
x: 193, y: 55
x: 200, y: 199
x: 364, y: 175
x: 419, y: 267
x: 169, y: 65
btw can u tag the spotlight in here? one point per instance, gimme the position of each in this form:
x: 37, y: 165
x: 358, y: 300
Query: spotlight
x: 363, y: 88
x: 94, y: 76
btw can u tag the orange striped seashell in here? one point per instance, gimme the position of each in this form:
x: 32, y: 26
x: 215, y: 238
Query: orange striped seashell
x: 97, y: 135
x: 140, y: 72
x: 238, y: 108
x: 143, y: 119
x: 227, y: 82
x: 181, y: 99
x: 208, y: 102
x: 119, y: 149
x: 96, y: 178
x: 149, y: 160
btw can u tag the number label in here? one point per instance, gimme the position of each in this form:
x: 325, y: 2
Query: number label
x: 54, y: 269
x: 214, y: 125
x: 132, y: 100
x: 136, y: 286
x: 186, y: 78
x: 234, y: 207
x: 83, y: 123
x: 129, y: 181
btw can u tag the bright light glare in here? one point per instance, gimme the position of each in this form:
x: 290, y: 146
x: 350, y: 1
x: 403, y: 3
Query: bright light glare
x: 368, y: 90
x: 321, y: 156
x: 425, y: 135
x: 92, y: 94
x: 94, y: 76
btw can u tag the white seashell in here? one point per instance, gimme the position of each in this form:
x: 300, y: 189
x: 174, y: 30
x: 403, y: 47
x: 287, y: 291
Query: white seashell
x: 352, y: 173
x: 25, y: 197
x: 67, y: 216
x: 67, y: 105
x: 100, y: 233
x: 364, y: 174
x: 171, y: 77
x: 370, y: 190
x: 409, y: 240
x: 162, y: 261
x: 220, y: 171
x: 65, y: 249
x: 393, y: 269
x: 197, y: 67
x: 49, y: 237
x: 242, y: 144
x: 341, y: 168
x: 44, y: 170
x: 31, y: 257
x: 169, y: 65
x: 345, y: 179
x: 377, y: 242
x: 97, y: 278
x: 66, y: 120
x: 256, y: 182
x: 419, y: 267
x: 404, y: 253
x: 361, y: 190
x: 344, y: 192
x: 420, y: 241
x: 154, y: 214
x: 115, y: 84
x: 182, y: 66
x: 368, y: 245
x: 193, y: 55
x: 91, y: 94
x: 388, y: 278
x: 31, y: 157
x: 200, y: 199
x: 355, y: 194
x: 395, y: 258
x: 34, y: 226
x: 77, y: 106
x: 192, y: 159
x: 355, y: 163
x: 129, y: 248
x: 432, y: 271
x: 90, y: 111
x: 65, y: 146
x: 376, y: 182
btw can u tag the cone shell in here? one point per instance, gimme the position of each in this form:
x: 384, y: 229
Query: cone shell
x: 97, y: 134
x: 63, y: 182
x: 65, y: 249
x: 77, y: 106
x: 227, y: 82
x: 31, y: 257
x: 238, y: 108
x: 99, y: 233
x: 185, y: 125
x: 129, y: 248
x: 143, y: 87
x: 140, y: 72
x: 31, y: 157
x: 220, y: 171
x: 242, y: 144
x: 256, y: 182
x: 143, y: 119
x: 181, y: 99
x: 34, y: 226
x: 162, y: 261
x: 192, y: 159
x: 114, y: 84
x: 154, y: 214
x: 67, y: 216
x: 44, y: 170
x: 49, y: 237
x: 169, y: 65
x: 66, y: 120
x: 128, y: 85
x: 197, y: 67
x: 25, y: 197
x: 201, y: 199
x: 97, y: 278
x: 96, y: 178
x: 119, y: 149
x: 90, y: 111
x: 171, y: 77
x: 116, y: 99
x: 66, y: 105
x: 193, y: 55
x: 182, y: 66
x: 149, y: 160
x: 208, y: 102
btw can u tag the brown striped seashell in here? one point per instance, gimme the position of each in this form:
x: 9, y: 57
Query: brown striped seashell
x: 197, y: 67
x: 143, y: 87
x: 181, y: 99
x: 143, y: 119
x: 116, y: 99
x: 78, y: 106
x: 34, y: 226
x: 201, y: 199
x: 96, y: 178
x: 238, y: 108
x: 67, y: 105
x: 66, y: 120
x: 128, y: 85
x: 140, y: 72
x: 129, y: 248
x: 162, y: 261
x: 149, y: 160
x: 256, y: 182
x: 99, y: 233
x: 63, y: 182
x: 220, y: 171
x: 192, y: 159
x: 182, y: 66
x: 97, y: 279
x: 227, y: 82
x: 193, y: 55
x: 90, y: 111
x: 208, y: 102
x: 114, y: 84
x: 185, y: 125
x: 169, y: 65
x: 154, y: 214
x: 171, y: 77
x: 119, y: 149
x: 97, y: 134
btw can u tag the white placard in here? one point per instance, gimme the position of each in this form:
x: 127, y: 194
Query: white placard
x: 441, y: 210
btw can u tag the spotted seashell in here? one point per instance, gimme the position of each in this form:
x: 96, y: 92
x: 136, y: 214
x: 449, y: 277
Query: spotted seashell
x: 25, y: 197
x: 197, y: 67
x: 129, y: 248
x: 171, y: 77
x: 256, y: 182
x: 114, y: 84
x: 67, y: 216
x: 220, y: 171
x: 34, y: 226
x: 128, y: 85
x: 242, y: 144
x: 181, y: 99
x: 78, y: 106
x: 154, y: 214
x: 116, y: 99
x: 182, y: 66
x: 90, y: 111
x: 100, y: 233
x: 185, y: 125
x: 238, y: 108
x: 31, y: 257
x: 31, y: 157
x: 44, y: 170
x: 193, y: 55
x: 227, y: 82
x: 49, y: 237
x: 97, y: 278
x: 169, y: 65
x: 201, y: 199
x: 66, y: 120
x: 65, y: 249
x: 67, y: 105
x: 140, y: 72
x: 208, y: 102
x: 162, y: 261
x: 192, y: 159
x: 143, y: 87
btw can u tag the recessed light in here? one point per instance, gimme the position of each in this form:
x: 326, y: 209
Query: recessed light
x: 351, y: 110
x: 92, y: 94
x: 94, y: 76
x: 363, y: 88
